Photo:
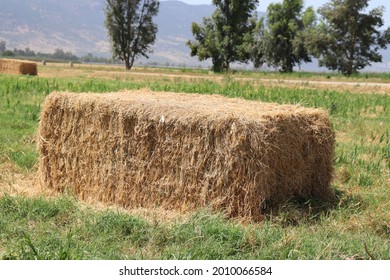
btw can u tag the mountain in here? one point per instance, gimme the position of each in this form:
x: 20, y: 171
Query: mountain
x: 44, y: 25
x: 78, y: 26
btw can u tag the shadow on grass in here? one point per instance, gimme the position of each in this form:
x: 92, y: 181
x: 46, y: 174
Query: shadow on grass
x: 299, y: 211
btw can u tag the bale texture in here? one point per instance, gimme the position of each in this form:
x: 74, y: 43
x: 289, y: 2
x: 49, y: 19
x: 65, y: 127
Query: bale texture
x: 19, y: 67
x: 184, y: 151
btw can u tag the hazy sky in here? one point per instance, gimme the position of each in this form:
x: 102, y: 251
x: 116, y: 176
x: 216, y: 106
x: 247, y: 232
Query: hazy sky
x: 317, y: 3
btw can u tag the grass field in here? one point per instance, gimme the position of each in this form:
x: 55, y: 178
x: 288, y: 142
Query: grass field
x: 356, y: 226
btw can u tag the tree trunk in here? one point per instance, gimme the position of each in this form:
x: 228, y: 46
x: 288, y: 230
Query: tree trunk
x: 132, y: 61
x: 350, y: 69
x: 127, y: 64
x: 227, y: 66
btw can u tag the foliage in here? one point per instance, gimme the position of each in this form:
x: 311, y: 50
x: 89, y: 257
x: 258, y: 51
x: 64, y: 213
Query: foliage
x: 89, y: 57
x: 58, y: 54
x: 131, y: 28
x: 8, y: 53
x: 347, y: 39
x: 2, y: 46
x: 226, y: 35
x: 280, y: 41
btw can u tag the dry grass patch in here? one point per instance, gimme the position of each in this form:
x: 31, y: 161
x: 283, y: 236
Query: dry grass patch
x: 15, y: 182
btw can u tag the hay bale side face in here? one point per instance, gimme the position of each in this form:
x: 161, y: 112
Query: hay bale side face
x: 182, y: 151
x: 19, y: 67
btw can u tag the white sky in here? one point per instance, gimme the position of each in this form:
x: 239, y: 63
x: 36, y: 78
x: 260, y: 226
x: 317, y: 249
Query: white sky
x: 264, y: 4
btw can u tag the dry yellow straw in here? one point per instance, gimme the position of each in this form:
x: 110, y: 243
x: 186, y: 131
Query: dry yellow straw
x: 19, y: 67
x: 184, y: 151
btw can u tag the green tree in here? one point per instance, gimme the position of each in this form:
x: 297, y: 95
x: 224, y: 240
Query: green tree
x: 2, y: 46
x: 8, y: 53
x: 131, y: 28
x: 346, y: 39
x: 225, y: 36
x: 280, y: 42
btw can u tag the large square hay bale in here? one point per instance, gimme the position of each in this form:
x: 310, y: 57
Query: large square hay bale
x: 184, y: 151
x: 19, y: 67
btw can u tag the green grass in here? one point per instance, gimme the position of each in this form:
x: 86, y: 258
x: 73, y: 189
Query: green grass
x: 363, y: 76
x: 301, y: 75
x: 356, y: 226
x: 43, y: 229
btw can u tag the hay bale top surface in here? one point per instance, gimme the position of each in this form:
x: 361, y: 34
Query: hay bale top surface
x: 189, y: 106
x: 15, y: 60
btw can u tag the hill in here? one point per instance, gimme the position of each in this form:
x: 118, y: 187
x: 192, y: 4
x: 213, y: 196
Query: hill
x: 78, y: 26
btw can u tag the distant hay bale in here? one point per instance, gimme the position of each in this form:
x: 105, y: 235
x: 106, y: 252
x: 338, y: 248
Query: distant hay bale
x: 20, y: 67
x: 184, y: 151
x: 44, y: 62
x: 70, y: 64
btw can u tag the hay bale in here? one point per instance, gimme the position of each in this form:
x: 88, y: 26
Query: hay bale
x: 19, y: 67
x: 184, y: 151
x: 70, y: 64
x: 44, y: 62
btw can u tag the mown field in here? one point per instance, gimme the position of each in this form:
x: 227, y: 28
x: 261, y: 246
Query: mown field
x: 34, y: 225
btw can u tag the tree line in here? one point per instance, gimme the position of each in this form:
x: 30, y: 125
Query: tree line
x: 57, y: 55
x: 341, y: 36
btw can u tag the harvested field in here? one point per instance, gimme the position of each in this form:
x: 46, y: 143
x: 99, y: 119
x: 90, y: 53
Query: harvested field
x: 257, y: 80
x: 19, y: 67
x: 184, y: 151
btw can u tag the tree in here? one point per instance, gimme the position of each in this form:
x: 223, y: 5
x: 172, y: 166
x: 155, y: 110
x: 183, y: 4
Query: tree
x: 61, y: 54
x: 225, y: 36
x: 280, y: 41
x: 2, y: 46
x: 131, y: 28
x: 346, y: 39
x: 8, y: 53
